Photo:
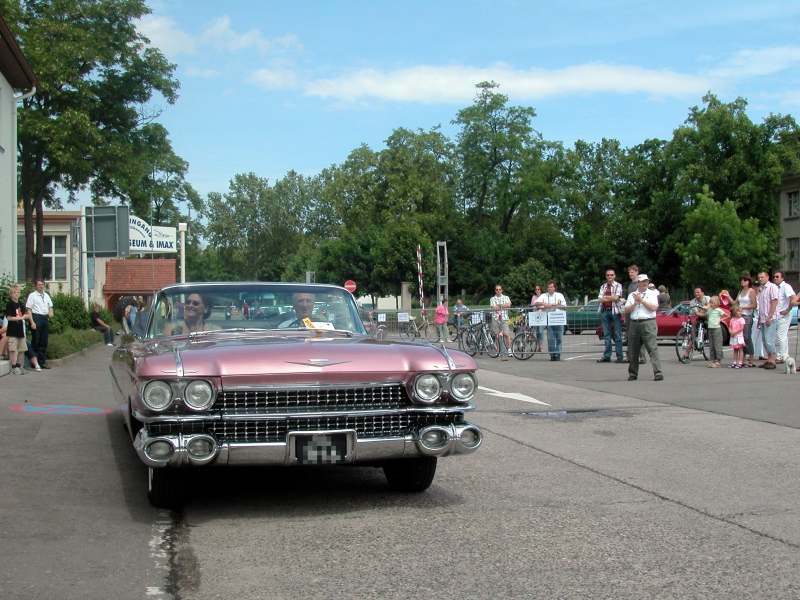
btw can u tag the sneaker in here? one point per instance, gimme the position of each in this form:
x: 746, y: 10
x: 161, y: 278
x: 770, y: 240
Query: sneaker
x: 658, y: 377
x: 601, y: 360
x: 19, y: 371
x: 504, y: 357
x: 37, y: 368
x: 112, y: 345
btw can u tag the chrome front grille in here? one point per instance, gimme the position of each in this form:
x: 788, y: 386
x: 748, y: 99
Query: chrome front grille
x: 275, y: 430
x: 325, y: 398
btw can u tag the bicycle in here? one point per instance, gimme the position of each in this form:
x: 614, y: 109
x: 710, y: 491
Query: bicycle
x: 525, y: 342
x: 425, y: 329
x: 691, y: 339
x: 480, y: 340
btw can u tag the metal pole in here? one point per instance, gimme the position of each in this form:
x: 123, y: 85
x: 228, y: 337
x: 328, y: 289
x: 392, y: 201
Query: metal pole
x: 84, y: 267
x: 182, y: 230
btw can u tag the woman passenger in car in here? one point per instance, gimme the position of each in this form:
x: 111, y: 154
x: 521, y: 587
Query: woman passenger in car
x: 195, y: 312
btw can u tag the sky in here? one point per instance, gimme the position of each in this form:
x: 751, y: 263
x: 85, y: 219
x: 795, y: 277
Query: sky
x: 272, y: 86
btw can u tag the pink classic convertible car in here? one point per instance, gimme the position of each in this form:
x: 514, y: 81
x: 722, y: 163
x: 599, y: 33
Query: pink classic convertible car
x: 302, y: 384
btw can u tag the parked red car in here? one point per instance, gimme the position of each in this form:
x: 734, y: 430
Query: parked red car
x: 671, y: 320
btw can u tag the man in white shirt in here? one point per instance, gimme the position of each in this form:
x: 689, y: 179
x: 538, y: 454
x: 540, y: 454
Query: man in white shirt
x: 785, y: 297
x: 41, y: 306
x: 500, y: 304
x: 548, y: 302
x: 640, y: 309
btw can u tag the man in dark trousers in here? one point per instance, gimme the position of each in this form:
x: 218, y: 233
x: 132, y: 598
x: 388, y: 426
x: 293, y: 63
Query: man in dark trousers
x: 41, y: 306
x: 633, y: 273
x: 640, y: 309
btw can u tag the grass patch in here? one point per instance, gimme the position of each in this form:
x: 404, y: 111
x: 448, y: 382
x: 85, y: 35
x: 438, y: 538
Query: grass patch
x: 71, y: 340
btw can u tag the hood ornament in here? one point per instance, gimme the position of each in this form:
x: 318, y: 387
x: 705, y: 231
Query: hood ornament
x: 318, y: 362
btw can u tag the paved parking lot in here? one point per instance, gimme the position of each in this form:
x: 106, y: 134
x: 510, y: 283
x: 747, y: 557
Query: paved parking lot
x: 588, y: 486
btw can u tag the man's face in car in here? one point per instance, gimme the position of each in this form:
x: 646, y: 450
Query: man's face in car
x: 303, y: 304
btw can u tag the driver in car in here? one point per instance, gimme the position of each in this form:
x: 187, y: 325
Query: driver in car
x: 303, y: 304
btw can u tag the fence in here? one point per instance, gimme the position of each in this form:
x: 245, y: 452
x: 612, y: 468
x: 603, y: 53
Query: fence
x: 581, y: 329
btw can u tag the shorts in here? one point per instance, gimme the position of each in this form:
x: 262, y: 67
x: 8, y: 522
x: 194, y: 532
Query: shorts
x: 500, y: 327
x: 16, y: 344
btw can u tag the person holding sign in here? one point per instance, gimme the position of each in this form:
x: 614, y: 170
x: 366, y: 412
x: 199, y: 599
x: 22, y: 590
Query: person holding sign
x: 553, y: 302
x: 641, y: 309
x: 500, y: 304
x: 611, y: 315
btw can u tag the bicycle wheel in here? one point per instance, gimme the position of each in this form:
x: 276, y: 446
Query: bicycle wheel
x: 452, y: 332
x: 523, y: 346
x: 407, y: 330
x: 702, y: 342
x: 684, y: 346
x: 430, y: 331
x: 470, y: 341
x: 491, y: 344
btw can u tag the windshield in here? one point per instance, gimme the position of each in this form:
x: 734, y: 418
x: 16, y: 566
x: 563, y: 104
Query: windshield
x: 212, y: 307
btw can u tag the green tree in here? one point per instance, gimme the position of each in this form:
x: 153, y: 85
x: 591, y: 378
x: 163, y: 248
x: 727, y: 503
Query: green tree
x: 255, y: 226
x: 95, y: 75
x: 720, y: 245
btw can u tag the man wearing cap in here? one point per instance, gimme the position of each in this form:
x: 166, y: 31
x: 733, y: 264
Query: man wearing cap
x: 640, y: 309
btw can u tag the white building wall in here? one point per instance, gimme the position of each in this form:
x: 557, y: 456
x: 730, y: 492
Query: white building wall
x: 8, y: 179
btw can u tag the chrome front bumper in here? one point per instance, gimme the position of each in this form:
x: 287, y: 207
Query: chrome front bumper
x: 462, y: 438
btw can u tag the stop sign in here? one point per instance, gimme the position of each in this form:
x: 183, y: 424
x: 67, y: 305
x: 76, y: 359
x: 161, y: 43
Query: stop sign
x: 350, y: 286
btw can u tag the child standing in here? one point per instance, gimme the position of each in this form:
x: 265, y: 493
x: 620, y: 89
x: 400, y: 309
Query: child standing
x: 441, y: 319
x: 737, y: 336
x: 16, y: 313
x: 714, y: 315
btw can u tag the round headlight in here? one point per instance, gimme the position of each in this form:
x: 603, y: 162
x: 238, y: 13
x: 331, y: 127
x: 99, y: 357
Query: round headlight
x: 157, y: 395
x: 427, y: 388
x: 462, y: 387
x: 198, y: 395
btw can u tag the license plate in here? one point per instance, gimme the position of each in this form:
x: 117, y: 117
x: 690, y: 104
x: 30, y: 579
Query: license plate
x: 321, y: 449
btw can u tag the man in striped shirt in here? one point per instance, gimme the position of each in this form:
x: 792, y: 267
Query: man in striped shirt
x: 610, y: 297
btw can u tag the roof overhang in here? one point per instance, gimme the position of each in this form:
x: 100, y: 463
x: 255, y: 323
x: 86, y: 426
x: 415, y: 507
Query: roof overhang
x: 13, y: 64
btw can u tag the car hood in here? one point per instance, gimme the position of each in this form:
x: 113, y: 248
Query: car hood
x: 294, y: 359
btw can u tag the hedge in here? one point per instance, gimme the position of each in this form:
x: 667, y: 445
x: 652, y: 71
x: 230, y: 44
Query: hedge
x: 71, y: 340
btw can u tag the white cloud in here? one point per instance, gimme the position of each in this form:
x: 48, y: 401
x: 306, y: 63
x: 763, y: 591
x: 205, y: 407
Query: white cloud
x: 201, y: 73
x: 457, y: 83
x: 274, y: 79
x: 755, y: 63
x: 221, y: 35
x: 165, y: 35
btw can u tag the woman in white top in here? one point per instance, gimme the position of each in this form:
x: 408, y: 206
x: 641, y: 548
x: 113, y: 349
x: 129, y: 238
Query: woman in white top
x: 747, y: 302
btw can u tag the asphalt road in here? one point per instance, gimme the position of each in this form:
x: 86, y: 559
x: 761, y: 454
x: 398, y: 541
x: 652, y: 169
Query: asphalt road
x: 587, y: 486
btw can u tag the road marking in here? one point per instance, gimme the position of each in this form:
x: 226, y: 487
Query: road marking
x: 512, y: 395
x: 59, y: 409
x: 159, y: 555
x: 580, y: 356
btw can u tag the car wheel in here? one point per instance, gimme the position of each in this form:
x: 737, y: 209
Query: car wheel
x: 410, y: 474
x: 164, y: 487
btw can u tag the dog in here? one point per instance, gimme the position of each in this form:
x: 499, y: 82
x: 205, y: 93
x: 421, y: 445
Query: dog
x: 789, y: 366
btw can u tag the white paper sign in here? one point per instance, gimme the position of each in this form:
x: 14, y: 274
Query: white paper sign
x: 477, y: 318
x: 557, y: 317
x: 402, y: 317
x: 381, y: 317
x: 537, y: 319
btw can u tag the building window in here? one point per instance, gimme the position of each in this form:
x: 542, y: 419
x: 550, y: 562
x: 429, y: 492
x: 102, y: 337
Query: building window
x: 54, y: 258
x: 793, y: 254
x: 793, y: 202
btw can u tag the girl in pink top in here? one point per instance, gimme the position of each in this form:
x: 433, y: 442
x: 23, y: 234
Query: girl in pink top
x: 441, y: 319
x: 737, y: 336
